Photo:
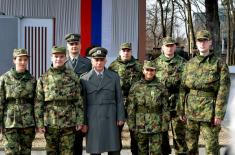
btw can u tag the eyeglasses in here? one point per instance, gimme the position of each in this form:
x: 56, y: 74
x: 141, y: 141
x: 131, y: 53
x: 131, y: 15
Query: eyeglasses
x: 73, y: 43
x: 150, y: 70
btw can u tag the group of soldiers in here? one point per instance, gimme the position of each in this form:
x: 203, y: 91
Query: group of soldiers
x: 79, y: 97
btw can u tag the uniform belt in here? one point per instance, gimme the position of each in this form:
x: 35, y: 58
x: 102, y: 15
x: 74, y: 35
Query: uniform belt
x: 202, y: 93
x: 59, y: 102
x: 16, y: 101
x: 144, y: 110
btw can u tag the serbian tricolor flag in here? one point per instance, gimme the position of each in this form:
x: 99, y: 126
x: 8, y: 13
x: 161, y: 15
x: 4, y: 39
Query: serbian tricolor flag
x: 92, y: 21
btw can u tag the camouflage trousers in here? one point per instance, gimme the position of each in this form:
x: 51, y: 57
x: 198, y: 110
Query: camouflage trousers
x: 179, y: 131
x: 210, y: 134
x: 60, y: 141
x: 149, y: 144
x: 18, y: 141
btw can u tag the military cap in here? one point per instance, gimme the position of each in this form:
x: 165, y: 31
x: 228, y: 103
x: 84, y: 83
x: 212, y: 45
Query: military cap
x: 98, y: 52
x: 58, y: 49
x: 72, y: 37
x: 126, y: 46
x: 149, y: 64
x: 168, y: 41
x: 203, y: 34
x: 19, y: 52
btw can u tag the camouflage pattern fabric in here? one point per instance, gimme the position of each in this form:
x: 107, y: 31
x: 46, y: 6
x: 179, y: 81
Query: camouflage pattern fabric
x: 18, y: 141
x: 169, y: 72
x: 129, y: 73
x: 58, y: 100
x: 149, y: 143
x: 210, y: 134
x: 206, y: 82
x: 147, y: 107
x: 203, y: 97
x: 17, y: 99
x: 60, y: 141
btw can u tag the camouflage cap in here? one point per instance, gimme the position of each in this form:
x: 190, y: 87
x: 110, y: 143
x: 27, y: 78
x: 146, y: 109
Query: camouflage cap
x: 149, y: 64
x: 126, y: 45
x: 98, y: 52
x: 72, y: 37
x: 168, y: 41
x: 19, y: 52
x: 58, y: 49
x: 203, y: 34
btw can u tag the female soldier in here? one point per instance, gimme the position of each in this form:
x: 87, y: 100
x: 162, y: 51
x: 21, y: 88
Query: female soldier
x: 17, y: 88
x: 148, y: 115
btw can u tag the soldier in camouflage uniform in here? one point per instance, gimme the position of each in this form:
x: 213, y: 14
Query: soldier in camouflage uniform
x: 148, y: 113
x: 129, y: 71
x: 17, y: 89
x: 203, y: 97
x: 169, y: 70
x: 58, y: 105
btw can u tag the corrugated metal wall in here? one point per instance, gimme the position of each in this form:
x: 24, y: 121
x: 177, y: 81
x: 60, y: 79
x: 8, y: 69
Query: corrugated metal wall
x: 123, y: 18
x: 66, y: 13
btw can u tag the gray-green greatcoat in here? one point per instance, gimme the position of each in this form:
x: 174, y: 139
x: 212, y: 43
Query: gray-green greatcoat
x: 104, y: 107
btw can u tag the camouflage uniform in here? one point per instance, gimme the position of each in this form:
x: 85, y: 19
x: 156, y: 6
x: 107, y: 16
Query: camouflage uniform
x: 129, y: 73
x: 205, y: 87
x: 16, y: 110
x: 148, y: 115
x: 169, y: 71
x: 59, y: 108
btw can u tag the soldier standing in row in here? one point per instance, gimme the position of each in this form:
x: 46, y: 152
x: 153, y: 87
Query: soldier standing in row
x: 169, y: 70
x: 203, y: 98
x: 80, y: 65
x: 17, y: 89
x: 104, y: 106
x: 148, y: 113
x: 58, y: 105
x: 129, y: 71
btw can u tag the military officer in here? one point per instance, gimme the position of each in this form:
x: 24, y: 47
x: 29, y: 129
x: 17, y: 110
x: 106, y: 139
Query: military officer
x: 129, y: 71
x: 58, y: 105
x: 169, y: 70
x: 205, y: 88
x: 104, y: 106
x: 17, y: 89
x: 80, y: 65
x: 148, y: 112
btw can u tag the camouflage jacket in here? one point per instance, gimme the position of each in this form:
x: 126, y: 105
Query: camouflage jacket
x: 147, y: 107
x: 205, y: 88
x: 58, y: 100
x: 129, y: 73
x: 17, y: 99
x: 169, y: 72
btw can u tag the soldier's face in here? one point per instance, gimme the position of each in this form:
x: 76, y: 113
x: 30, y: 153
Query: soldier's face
x: 203, y: 45
x: 149, y: 73
x: 169, y: 50
x: 98, y: 63
x: 20, y: 63
x: 58, y: 59
x: 125, y: 54
x: 74, y: 47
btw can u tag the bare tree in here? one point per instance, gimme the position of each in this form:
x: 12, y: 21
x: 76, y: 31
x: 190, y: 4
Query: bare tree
x: 213, y: 23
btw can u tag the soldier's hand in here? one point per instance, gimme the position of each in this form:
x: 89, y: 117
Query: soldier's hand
x: 41, y: 130
x: 84, y: 128
x: 183, y: 119
x: 216, y: 121
x: 120, y: 123
x: 78, y: 127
